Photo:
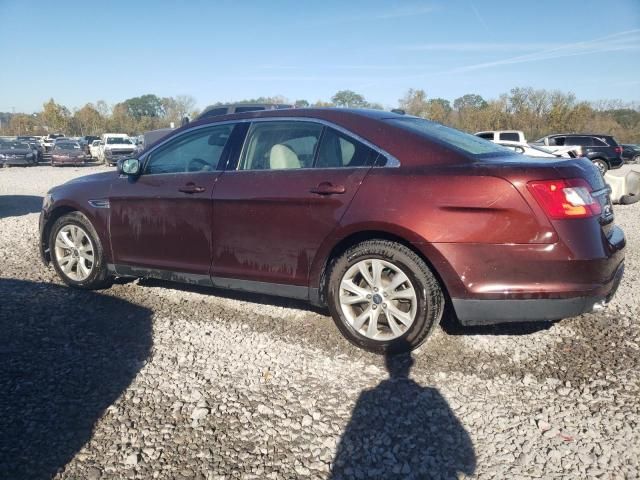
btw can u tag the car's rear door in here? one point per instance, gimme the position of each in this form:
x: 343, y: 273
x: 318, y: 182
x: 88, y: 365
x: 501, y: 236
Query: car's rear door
x: 163, y: 219
x: 272, y: 209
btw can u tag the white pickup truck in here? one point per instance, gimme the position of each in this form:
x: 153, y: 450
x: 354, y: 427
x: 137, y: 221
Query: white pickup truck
x: 114, y: 146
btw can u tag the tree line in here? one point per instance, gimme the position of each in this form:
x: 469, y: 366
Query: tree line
x: 537, y: 112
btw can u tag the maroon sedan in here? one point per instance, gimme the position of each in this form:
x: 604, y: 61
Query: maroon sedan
x: 67, y: 153
x: 384, y: 218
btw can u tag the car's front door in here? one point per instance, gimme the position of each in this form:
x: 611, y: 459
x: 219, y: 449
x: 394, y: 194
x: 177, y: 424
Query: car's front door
x: 162, y: 220
x: 292, y: 184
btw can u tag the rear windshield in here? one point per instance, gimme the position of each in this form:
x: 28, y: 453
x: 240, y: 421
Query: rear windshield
x: 448, y: 136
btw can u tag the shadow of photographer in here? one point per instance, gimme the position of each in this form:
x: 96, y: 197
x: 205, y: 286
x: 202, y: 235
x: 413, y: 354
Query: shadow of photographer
x: 402, y: 430
x: 65, y: 356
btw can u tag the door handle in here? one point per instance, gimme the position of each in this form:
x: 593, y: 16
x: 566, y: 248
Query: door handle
x: 191, y: 188
x: 328, y: 188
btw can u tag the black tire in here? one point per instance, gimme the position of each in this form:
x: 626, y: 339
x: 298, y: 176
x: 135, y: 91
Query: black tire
x: 601, y: 164
x: 99, y: 277
x: 636, y: 159
x: 430, y: 298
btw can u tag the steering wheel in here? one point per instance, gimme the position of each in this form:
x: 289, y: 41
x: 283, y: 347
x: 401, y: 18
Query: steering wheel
x: 198, y: 165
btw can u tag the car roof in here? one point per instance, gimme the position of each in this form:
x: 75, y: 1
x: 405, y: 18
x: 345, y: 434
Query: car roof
x: 365, y: 123
x: 320, y: 113
x: 579, y: 135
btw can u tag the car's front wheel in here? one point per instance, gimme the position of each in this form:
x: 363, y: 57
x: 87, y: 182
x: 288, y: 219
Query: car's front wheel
x: 77, y: 253
x: 384, y: 297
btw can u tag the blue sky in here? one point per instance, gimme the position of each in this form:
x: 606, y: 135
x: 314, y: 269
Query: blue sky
x: 78, y: 52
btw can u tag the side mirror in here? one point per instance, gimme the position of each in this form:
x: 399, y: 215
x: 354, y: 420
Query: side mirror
x: 129, y: 166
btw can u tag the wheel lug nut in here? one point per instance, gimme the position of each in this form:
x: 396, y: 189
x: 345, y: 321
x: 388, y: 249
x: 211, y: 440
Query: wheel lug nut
x: 384, y: 305
x: 374, y: 306
x: 369, y: 297
x: 375, y: 289
x: 385, y: 294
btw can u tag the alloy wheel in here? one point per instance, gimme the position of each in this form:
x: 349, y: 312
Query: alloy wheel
x: 378, y: 299
x: 74, y: 252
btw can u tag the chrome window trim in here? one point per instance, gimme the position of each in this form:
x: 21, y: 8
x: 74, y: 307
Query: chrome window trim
x: 392, y: 162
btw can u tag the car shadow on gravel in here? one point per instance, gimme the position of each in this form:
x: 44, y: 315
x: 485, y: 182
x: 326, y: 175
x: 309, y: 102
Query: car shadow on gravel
x: 400, y: 429
x: 65, y: 356
x: 451, y: 325
x: 17, y: 205
x: 240, y: 296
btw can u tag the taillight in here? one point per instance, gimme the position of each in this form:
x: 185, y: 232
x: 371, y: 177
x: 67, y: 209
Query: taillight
x: 564, y: 198
x: 618, y: 150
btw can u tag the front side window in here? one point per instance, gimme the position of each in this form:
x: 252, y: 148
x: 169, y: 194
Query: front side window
x: 280, y: 145
x: 338, y: 150
x: 198, y: 151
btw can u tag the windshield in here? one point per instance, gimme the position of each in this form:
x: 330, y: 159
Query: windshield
x: 67, y: 146
x: 15, y: 145
x: 115, y: 140
x: 448, y: 136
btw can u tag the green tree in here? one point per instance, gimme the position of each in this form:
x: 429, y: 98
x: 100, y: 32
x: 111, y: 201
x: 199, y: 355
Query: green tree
x: 301, y: 104
x: 144, y: 106
x: 469, y: 101
x: 349, y: 99
x: 414, y: 102
x: 88, y: 121
x: 56, y: 117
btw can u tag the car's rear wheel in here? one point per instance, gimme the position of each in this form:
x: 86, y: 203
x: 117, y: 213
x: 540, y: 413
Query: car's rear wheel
x: 601, y: 164
x: 77, y: 253
x: 636, y: 159
x: 383, y: 297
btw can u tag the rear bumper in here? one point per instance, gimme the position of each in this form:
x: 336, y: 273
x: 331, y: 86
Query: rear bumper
x: 496, y: 283
x: 487, y: 312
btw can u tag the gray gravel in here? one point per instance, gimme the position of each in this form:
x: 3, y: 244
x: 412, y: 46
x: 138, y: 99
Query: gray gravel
x: 156, y: 380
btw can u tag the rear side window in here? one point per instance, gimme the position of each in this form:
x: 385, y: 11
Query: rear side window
x: 486, y: 136
x: 558, y: 141
x: 280, y: 145
x: 510, y: 136
x: 451, y: 137
x: 337, y: 150
x: 597, y: 142
x: 198, y: 151
x: 580, y: 141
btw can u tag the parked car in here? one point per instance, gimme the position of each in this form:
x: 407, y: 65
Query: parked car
x: 602, y: 150
x: 94, y: 148
x: 217, y: 110
x: 15, y: 152
x: 38, y: 150
x: 384, y: 218
x: 535, y: 151
x: 86, y: 142
x: 502, y: 135
x: 67, y: 153
x: 631, y: 153
x: 115, y: 146
x: 49, y: 140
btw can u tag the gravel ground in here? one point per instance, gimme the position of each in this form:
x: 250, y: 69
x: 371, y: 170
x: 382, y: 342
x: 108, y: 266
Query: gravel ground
x: 156, y: 380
